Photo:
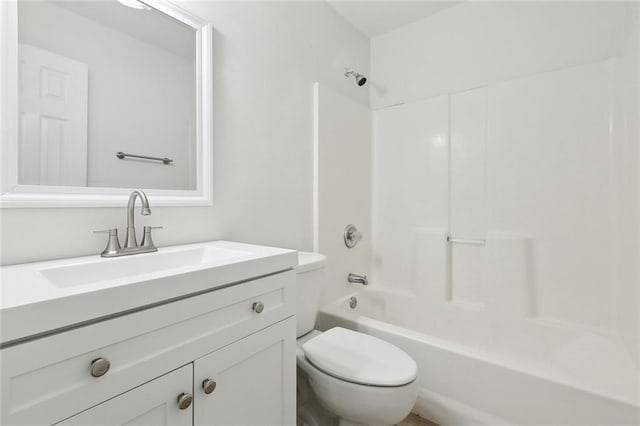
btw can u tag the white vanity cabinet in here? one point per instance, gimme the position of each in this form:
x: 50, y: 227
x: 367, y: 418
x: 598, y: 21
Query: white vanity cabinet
x: 248, y: 382
x: 242, y: 336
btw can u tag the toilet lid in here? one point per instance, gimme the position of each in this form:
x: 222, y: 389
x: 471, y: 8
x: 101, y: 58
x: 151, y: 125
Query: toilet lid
x: 360, y: 358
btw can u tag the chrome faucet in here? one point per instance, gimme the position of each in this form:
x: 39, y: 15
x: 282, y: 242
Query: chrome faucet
x: 130, y: 238
x: 355, y: 278
x: 131, y: 246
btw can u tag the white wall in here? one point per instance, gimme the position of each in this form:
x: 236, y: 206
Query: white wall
x: 475, y: 43
x: 343, y: 188
x: 541, y: 160
x: 266, y: 57
x: 141, y: 98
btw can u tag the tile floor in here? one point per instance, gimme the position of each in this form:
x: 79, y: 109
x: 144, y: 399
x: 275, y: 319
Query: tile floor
x: 415, y: 420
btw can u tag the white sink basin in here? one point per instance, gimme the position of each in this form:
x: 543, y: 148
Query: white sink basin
x: 134, y: 266
x: 41, y: 297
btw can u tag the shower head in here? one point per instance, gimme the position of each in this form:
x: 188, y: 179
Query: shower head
x: 361, y: 80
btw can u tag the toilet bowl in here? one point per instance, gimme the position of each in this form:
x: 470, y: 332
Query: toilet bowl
x: 359, y: 378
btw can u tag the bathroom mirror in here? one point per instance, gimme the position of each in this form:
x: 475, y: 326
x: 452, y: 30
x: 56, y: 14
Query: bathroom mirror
x: 102, y: 97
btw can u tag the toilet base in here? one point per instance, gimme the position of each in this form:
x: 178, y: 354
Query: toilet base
x: 309, y: 410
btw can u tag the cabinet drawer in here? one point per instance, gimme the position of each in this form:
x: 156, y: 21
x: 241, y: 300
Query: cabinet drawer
x: 49, y: 379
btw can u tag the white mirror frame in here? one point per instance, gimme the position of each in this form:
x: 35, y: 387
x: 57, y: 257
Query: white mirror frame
x: 15, y: 195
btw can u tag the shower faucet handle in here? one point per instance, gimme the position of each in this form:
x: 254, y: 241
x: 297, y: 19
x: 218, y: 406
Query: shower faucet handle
x: 351, y: 236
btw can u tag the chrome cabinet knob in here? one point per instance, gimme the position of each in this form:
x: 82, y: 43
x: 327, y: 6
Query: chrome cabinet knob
x: 208, y: 386
x: 99, y: 367
x: 184, y: 400
x: 257, y: 307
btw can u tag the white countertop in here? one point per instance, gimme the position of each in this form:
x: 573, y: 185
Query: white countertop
x: 40, y: 297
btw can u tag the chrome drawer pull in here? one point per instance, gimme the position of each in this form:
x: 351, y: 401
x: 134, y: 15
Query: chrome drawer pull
x: 257, y: 307
x: 99, y: 367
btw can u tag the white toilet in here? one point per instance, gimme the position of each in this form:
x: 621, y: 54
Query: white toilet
x: 359, y: 378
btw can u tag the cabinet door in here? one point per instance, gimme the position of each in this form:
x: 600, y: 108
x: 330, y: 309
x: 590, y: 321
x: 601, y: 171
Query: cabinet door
x: 254, y: 380
x: 154, y: 403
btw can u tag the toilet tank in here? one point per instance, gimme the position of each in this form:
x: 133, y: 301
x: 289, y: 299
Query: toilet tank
x: 309, y: 283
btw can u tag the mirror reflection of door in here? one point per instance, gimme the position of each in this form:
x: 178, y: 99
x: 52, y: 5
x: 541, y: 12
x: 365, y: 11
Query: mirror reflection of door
x: 53, y: 119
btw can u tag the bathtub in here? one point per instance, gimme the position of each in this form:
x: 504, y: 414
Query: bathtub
x: 460, y: 385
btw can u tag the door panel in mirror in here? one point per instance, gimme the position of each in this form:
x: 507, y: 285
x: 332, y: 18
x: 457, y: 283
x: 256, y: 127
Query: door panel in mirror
x: 53, y: 118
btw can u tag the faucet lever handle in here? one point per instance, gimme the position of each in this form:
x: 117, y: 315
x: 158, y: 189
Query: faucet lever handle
x: 146, y: 238
x: 113, y: 244
x: 110, y: 231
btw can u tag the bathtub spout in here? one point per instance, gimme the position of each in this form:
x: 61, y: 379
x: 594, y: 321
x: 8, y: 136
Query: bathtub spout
x: 355, y: 278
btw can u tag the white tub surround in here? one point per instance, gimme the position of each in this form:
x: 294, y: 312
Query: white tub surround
x: 505, y: 207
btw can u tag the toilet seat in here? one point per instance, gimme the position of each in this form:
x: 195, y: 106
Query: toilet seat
x: 360, y: 358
